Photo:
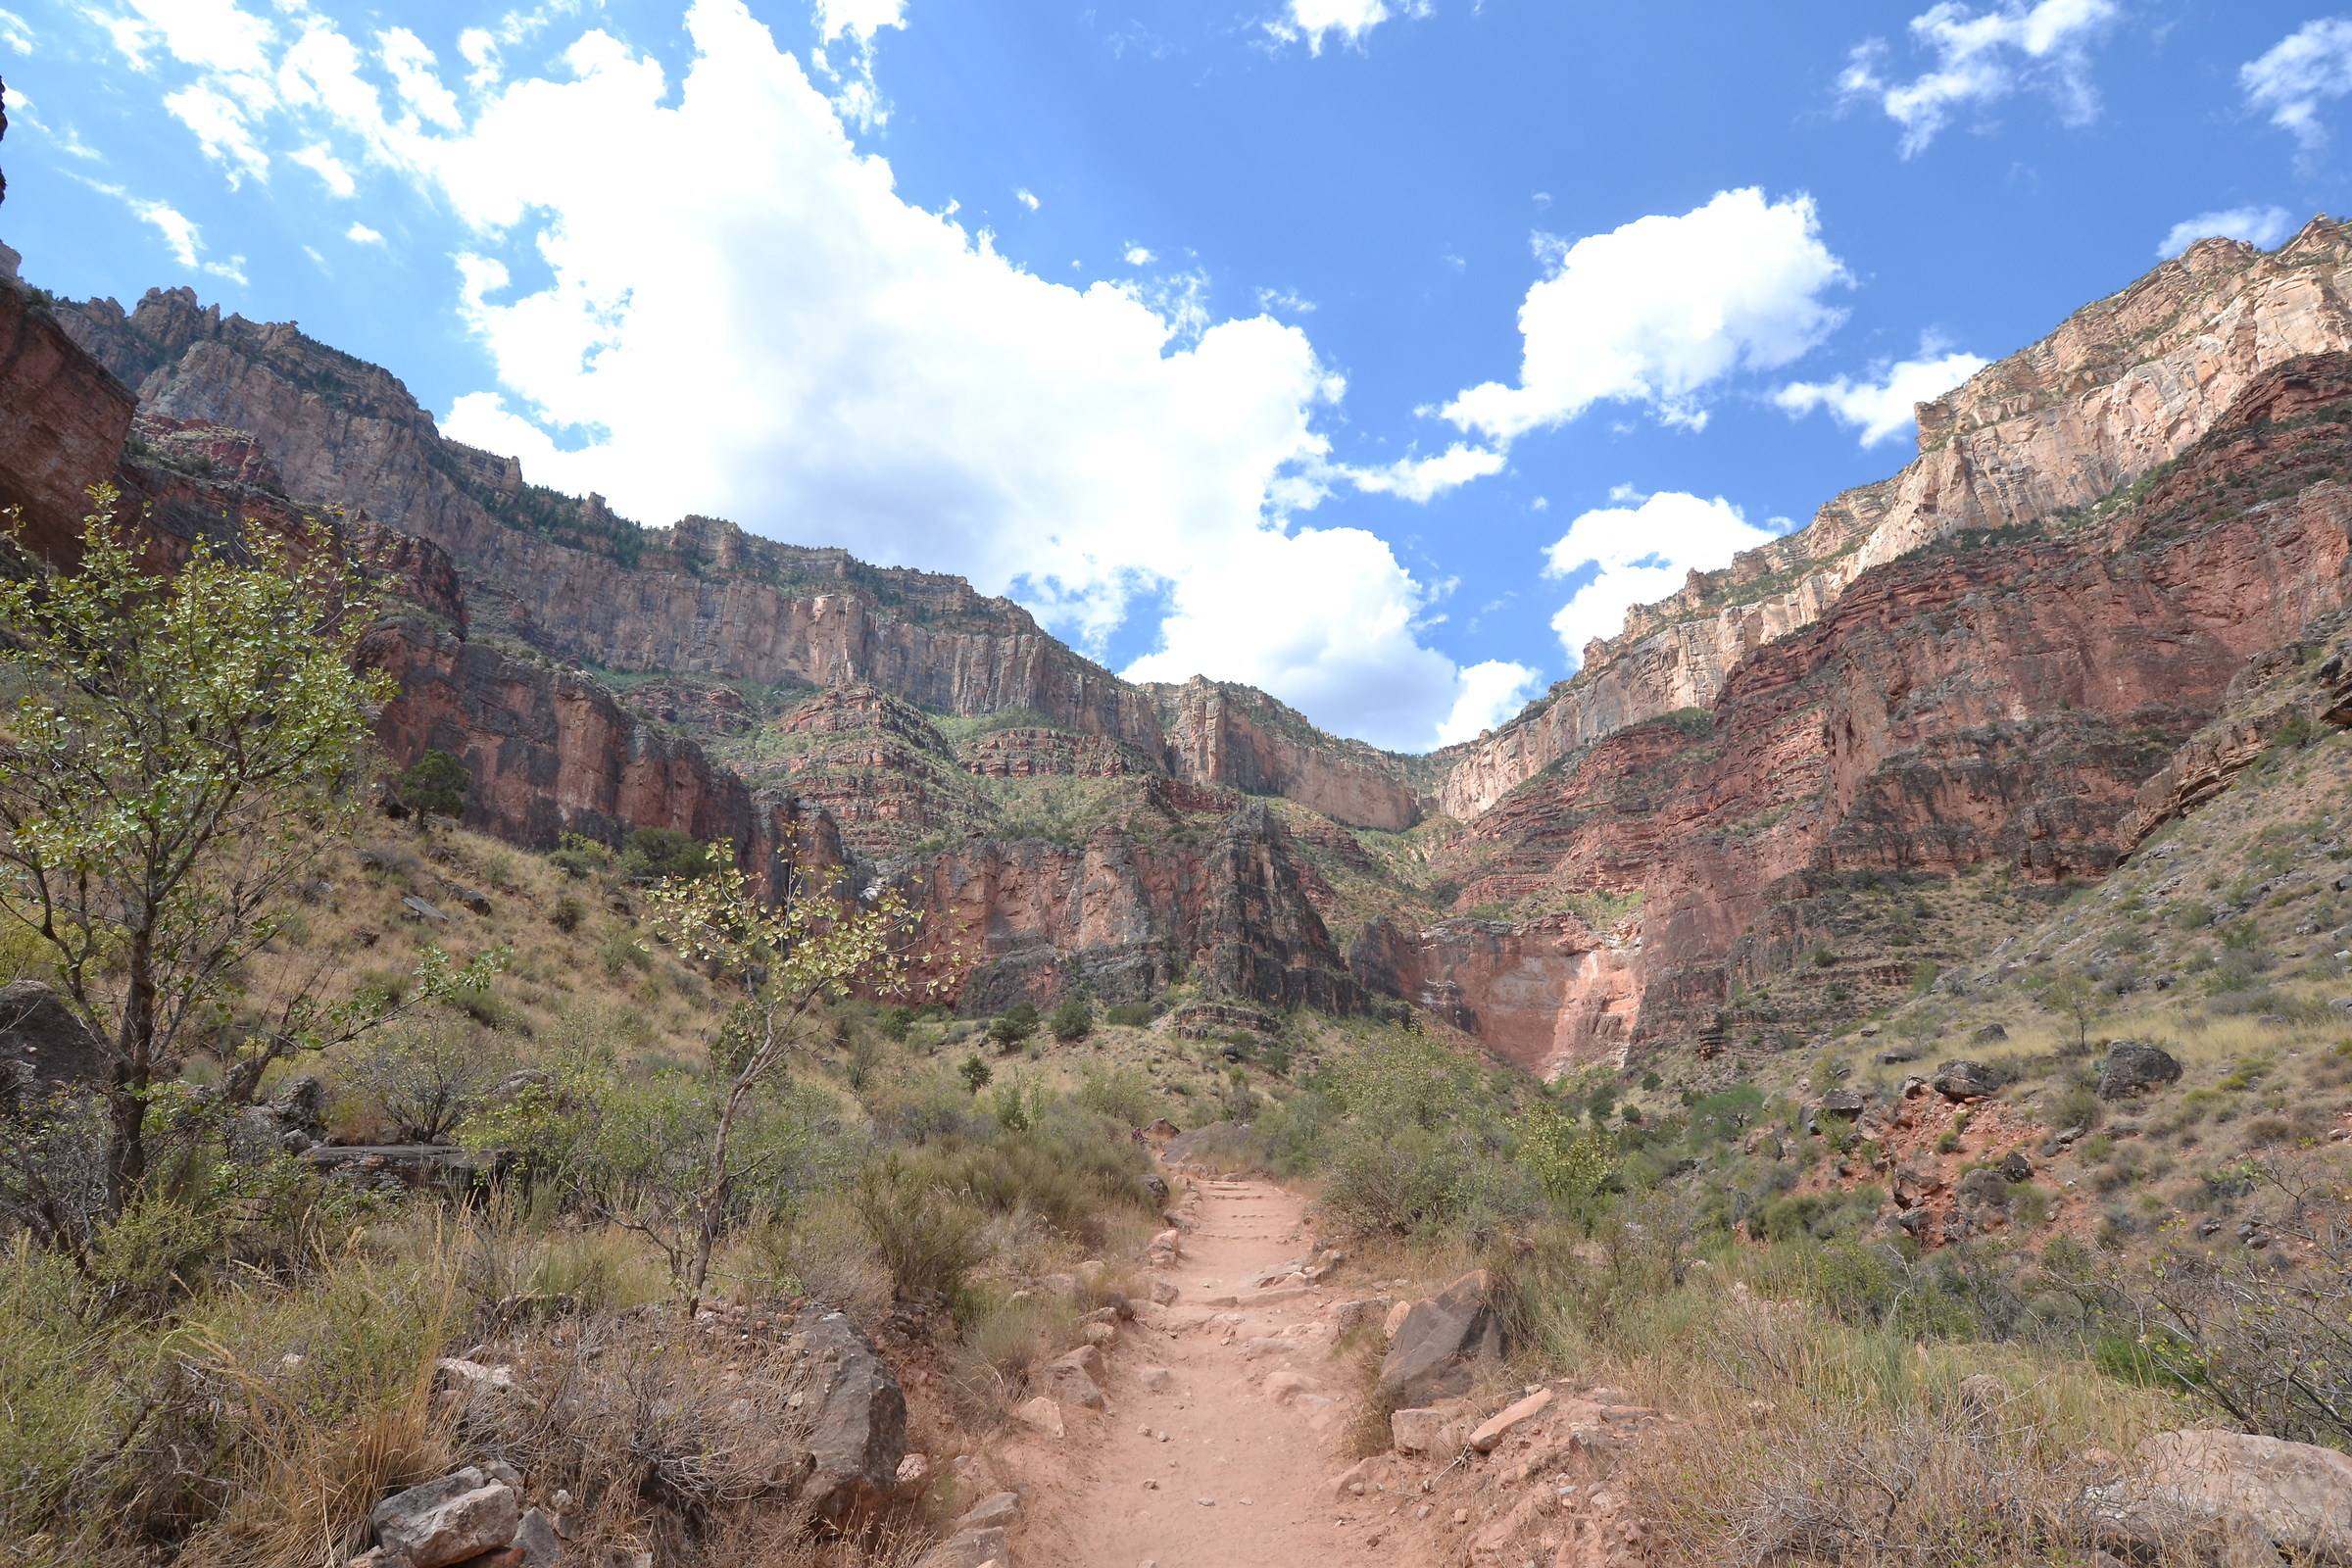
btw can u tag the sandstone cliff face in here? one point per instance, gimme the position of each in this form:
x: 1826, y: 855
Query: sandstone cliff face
x: 701, y: 598
x: 1546, y: 996
x: 550, y: 752
x: 1221, y: 733
x: 1997, y: 700
x: 1125, y: 914
x: 63, y: 422
x: 2123, y: 384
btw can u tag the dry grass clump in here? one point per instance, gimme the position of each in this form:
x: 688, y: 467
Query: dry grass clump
x: 1006, y: 1343
x: 253, y: 1427
x: 1832, y: 1403
x: 662, y: 1438
x: 1805, y: 1440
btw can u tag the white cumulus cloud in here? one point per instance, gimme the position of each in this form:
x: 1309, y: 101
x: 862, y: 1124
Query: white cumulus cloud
x: 223, y: 126
x: 801, y: 349
x: 1350, y: 22
x: 1140, y: 255
x: 2265, y: 226
x: 1425, y: 479
x: 1491, y: 692
x: 1624, y: 556
x: 2309, y: 66
x: 320, y: 159
x: 1661, y: 309
x: 857, y: 19
x: 806, y: 352
x: 1975, y: 58
x: 1880, y: 404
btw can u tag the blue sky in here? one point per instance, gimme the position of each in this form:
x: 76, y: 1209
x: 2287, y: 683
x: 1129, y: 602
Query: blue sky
x: 1376, y: 352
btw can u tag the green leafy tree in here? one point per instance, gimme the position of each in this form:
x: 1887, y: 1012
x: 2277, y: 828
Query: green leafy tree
x: 782, y: 957
x: 2076, y: 998
x: 436, y: 784
x: 1571, y: 1163
x: 975, y: 1072
x: 185, y: 750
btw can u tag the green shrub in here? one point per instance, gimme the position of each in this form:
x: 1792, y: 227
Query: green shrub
x: 569, y: 913
x: 1121, y: 1093
x: 1014, y: 1025
x: 929, y: 1240
x: 975, y: 1072
x: 653, y: 854
x: 1073, y: 1020
x: 578, y: 856
x: 1130, y: 1014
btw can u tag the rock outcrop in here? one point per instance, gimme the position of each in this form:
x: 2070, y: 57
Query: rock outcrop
x: 1544, y: 995
x: 1130, y: 910
x: 1221, y: 733
x: 63, y: 422
x: 568, y: 577
x: 2010, y: 653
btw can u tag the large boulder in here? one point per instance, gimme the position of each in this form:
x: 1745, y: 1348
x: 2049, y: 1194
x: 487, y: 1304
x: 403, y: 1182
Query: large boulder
x: 1442, y: 1341
x: 857, y: 1434
x: 462, y: 1515
x: 43, y: 1047
x: 2252, y: 1499
x: 1964, y: 1080
x: 2133, y: 1069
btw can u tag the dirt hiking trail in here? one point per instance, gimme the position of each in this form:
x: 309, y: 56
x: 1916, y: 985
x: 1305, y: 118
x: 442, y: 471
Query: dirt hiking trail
x: 1222, y: 1435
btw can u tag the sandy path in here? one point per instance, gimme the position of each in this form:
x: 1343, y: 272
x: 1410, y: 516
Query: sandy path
x: 1251, y: 1409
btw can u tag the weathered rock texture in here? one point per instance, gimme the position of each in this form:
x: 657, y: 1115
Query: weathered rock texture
x: 2123, y: 385
x: 1134, y: 907
x: 2013, y: 652
x: 1237, y: 735
x: 1997, y: 699
x: 701, y: 598
x: 63, y: 421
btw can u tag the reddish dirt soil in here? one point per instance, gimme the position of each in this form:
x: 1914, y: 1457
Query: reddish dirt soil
x: 1249, y: 1408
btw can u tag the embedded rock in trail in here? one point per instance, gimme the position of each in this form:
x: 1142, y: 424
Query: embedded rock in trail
x: 1439, y: 1348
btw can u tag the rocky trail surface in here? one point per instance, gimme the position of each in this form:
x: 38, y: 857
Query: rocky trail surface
x: 1221, y: 1437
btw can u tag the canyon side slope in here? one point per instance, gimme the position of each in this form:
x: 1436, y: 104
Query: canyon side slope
x: 1962, y: 682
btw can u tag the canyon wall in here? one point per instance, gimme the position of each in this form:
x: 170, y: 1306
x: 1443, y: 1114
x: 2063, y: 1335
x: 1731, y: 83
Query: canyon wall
x: 703, y: 597
x: 63, y: 422
x: 1994, y: 700
x: 2123, y: 385
x: 1221, y: 733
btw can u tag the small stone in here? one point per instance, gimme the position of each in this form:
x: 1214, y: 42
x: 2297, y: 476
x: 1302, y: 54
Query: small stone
x: 1043, y: 1415
x: 1491, y: 1434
